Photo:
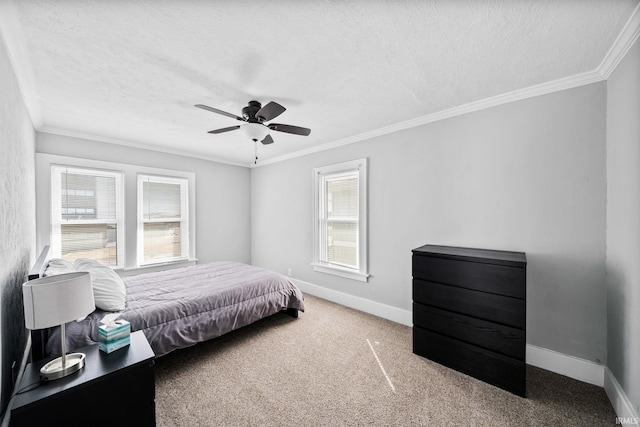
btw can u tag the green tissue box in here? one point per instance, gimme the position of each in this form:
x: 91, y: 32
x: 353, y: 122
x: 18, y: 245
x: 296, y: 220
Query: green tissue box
x: 114, y: 336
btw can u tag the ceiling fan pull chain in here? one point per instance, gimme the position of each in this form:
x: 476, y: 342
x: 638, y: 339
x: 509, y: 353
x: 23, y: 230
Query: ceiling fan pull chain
x: 255, y: 145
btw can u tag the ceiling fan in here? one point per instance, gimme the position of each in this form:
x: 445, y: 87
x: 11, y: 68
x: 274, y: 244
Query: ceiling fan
x: 254, y: 116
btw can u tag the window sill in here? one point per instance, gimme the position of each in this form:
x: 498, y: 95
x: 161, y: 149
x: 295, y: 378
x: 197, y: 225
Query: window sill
x: 342, y: 272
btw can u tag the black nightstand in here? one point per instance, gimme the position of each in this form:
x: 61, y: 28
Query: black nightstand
x: 112, y: 389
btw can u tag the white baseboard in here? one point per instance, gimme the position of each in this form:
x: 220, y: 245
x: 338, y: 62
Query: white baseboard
x: 618, y: 398
x: 385, y: 311
x: 569, y: 366
x: 573, y: 367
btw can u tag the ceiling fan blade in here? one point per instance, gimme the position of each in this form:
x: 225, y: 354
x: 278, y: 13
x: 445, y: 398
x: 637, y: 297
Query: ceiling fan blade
x: 267, y: 140
x: 270, y: 111
x: 215, y: 110
x: 297, y: 130
x: 224, y: 129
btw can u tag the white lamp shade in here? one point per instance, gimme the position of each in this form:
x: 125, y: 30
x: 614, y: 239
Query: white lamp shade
x: 255, y: 131
x: 55, y: 300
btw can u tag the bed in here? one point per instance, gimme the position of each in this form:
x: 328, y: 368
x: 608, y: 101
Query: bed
x: 180, y: 307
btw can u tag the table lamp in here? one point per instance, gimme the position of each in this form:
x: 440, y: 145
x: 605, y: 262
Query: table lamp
x: 55, y: 300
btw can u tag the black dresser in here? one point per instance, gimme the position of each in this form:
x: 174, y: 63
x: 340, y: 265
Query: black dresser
x: 469, y: 312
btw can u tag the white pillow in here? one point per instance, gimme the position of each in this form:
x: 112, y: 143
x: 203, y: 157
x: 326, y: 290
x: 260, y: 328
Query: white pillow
x: 59, y: 266
x: 109, y: 291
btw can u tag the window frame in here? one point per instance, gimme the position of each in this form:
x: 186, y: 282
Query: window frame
x: 129, y: 266
x: 183, y: 220
x: 56, y: 171
x: 320, y: 176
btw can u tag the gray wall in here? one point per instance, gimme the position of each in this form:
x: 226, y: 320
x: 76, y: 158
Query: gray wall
x: 223, y: 205
x: 527, y: 176
x: 17, y: 217
x: 623, y: 225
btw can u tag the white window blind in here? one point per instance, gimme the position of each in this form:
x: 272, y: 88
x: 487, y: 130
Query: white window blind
x: 163, y: 224
x: 340, y: 220
x: 86, y: 214
x: 340, y: 232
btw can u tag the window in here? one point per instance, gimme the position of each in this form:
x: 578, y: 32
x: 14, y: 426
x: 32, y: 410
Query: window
x: 163, y: 219
x: 133, y: 218
x: 86, y: 214
x: 340, y: 214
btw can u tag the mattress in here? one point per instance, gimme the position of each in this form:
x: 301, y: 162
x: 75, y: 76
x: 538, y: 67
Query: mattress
x: 181, y: 307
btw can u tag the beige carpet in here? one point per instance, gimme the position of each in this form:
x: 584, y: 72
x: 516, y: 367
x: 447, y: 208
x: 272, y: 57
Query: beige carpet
x: 337, y: 366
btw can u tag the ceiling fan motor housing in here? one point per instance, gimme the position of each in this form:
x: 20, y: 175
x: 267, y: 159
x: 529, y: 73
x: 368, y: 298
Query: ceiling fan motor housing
x: 249, y: 112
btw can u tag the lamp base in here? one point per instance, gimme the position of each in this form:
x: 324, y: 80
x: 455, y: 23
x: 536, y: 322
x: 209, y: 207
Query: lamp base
x: 54, y: 369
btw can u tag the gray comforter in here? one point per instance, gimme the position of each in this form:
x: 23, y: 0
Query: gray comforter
x: 181, y: 307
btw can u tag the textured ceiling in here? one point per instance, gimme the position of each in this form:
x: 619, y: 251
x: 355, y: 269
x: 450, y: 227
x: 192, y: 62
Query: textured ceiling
x: 132, y: 70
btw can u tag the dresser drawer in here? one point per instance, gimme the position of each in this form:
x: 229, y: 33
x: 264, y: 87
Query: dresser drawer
x: 492, y: 336
x: 495, y: 308
x: 494, y: 278
x: 501, y: 371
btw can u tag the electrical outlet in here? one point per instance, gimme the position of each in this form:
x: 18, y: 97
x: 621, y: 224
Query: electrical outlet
x: 289, y: 272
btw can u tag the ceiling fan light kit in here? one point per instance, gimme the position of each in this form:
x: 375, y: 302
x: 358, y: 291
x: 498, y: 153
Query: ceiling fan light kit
x: 255, y: 131
x: 255, y: 115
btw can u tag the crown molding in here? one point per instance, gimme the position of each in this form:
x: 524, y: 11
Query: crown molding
x: 494, y: 101
x: 16, y: 48
x: 627, y: 37
x: 133, y: 144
